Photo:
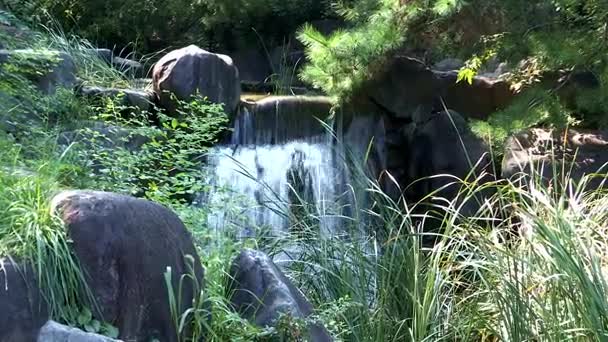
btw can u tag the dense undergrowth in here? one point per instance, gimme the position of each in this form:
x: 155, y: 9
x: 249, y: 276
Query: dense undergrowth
x: 530, y: 265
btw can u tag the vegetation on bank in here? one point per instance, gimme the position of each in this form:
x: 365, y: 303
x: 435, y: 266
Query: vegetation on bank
x: 147, y: 26
x: 530, y: 265
x: 545, y: 43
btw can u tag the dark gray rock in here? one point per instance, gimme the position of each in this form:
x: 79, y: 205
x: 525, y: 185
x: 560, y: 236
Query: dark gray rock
x: 189, y: 70
x: 48, y: 69
x: 125, y: 245
x: 55, y: 332
x: 261, y: 293
x: 24, y: 310
x: 549, y: 152
x: 104, y: 135
x: 128, y: 66
x: 445, y: 145
x: 105, y: 54
x: 448, y: 64
x: 494, y: 68
x: 253, y: 65
x: 406, y: 87
x: 425, y: 156
x: 298, y: 115
x: 139, y: 99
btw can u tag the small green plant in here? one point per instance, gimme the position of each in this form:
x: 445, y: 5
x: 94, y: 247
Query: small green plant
x: 87, y: 323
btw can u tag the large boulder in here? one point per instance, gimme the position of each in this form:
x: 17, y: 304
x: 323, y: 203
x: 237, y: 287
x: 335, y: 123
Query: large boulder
x: 55, y: 332
x: 24, y: 311
x: 555, y: 154
x: 435, y: 152
x: 405, y: 87
x: 262, y: 293
x: 48, y: 69
x: 125, y: 245
x: 191, y: 70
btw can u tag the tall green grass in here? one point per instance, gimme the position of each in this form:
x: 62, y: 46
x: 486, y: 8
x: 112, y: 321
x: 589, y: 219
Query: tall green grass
x: 31, y: 233
x: 528, y: 265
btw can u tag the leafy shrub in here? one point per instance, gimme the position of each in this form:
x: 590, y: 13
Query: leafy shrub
x: 151, y: 25
x: 168, y: 165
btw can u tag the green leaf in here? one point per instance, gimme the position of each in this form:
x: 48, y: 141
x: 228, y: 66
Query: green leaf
x: 466, y: 74
x: 93, y: 327
x: 109, y: 330
x: 174, y: 123
x: 84, y: 317
x: 446, y: 7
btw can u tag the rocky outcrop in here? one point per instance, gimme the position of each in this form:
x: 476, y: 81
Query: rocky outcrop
x: 23, y: 310
x: 289, y: 117
x: 406, y: 87
x: 555, y: 154
x: 129, y: 66
x: 428, y: 156
x: 125, y: 245
x: 484, y: 96
x: 103, y: 135
x: 192, y: 70
x: 262, y: 293
x: 124, y: 65
x: 55, y: 332
x: 139, y: 99
x: 47, y: 69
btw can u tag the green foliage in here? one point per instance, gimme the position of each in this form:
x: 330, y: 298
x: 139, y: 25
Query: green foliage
x: 152, y: 25
x: 149, y: 24
x: 241, y: 21
x: 536, y: 107
x: 339, y: 63
x: 160, y: 163
x: 30, y: 173
x: 87, y: 323
x: 382, y: 283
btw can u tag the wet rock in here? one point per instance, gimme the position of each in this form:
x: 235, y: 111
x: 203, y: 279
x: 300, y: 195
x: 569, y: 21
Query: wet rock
x: 55, y: 332
x: 448, y: 64
x: 24, y: 310
x: 494, y: 68
x: 261, y: 293
x: 298, y: 115
x: 125, y: 245
x: 48, y: 69
x: 549, y: 152
x: 139, y: 99
x: 189, y: 70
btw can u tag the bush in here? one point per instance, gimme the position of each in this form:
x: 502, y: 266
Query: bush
x: 147, y: 26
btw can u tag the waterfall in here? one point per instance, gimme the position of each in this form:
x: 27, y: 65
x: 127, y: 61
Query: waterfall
x: 282, y: 165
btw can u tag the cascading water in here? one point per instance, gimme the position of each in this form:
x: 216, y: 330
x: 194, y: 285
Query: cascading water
x: 283, y: 165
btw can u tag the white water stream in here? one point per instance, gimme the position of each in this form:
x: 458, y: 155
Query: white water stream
x: 280, y: 157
